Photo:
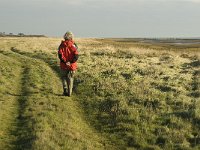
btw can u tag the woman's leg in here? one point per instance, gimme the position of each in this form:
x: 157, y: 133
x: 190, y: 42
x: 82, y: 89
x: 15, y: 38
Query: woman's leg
x: 64, y: 81
x: 70, y: 81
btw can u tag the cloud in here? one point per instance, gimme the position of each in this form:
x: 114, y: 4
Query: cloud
x: 192, y: 1
x: 80, y: 2
x: 195, y: 1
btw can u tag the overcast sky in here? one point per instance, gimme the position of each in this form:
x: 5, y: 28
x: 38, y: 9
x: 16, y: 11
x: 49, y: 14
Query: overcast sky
x: 102, y: 18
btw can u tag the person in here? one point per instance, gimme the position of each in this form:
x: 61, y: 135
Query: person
x: 68, y: 55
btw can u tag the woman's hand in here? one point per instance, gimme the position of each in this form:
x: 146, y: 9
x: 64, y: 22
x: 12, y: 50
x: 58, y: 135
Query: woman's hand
x: 68, y: 63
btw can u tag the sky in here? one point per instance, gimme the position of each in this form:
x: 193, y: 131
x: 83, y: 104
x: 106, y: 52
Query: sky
x: 102, y: 18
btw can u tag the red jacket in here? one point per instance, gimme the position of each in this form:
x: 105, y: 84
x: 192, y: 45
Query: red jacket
x: 67, y: 52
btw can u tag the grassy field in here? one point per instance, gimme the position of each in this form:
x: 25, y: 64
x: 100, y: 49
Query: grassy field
x: 127, y: 95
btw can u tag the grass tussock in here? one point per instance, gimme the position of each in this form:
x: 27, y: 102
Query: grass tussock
x: 126, y: 95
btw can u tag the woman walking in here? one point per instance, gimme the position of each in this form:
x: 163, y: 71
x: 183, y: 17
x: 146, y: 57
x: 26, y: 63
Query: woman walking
x: 68, y: 55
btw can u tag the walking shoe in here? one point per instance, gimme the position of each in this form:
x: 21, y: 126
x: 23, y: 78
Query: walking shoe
x: 65, y: 92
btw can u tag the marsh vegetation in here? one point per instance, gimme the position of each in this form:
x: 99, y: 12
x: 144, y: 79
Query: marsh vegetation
x: 127, y: 95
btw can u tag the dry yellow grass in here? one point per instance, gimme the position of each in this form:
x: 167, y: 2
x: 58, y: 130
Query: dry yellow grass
x: 126, y: 95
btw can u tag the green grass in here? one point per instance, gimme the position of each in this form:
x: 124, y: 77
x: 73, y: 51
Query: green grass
x: 125, y: 96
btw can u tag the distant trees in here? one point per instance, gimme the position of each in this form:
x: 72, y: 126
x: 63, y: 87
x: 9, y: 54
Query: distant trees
x: 21, y: 34
x: 3, y: 34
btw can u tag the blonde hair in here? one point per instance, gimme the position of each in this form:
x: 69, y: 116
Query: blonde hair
x: 68, y: 35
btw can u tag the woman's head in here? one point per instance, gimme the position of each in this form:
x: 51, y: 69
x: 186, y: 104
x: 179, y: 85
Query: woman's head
x: 68, y: 35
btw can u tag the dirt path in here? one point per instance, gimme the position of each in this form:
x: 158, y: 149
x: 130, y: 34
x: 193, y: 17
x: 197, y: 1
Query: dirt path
x: 38, y: 116
x: 10, y: 94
